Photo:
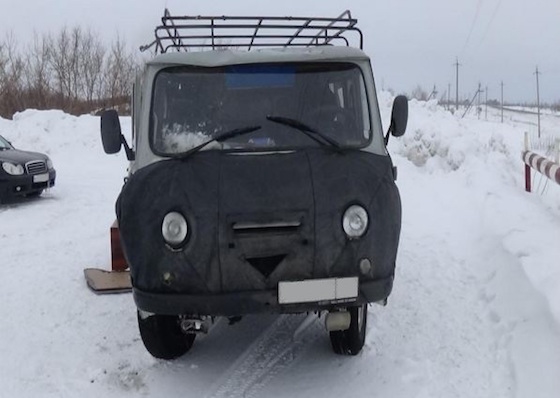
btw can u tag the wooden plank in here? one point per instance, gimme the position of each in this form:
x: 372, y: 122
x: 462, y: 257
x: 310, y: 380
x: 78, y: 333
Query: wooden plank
x: 107, y: 282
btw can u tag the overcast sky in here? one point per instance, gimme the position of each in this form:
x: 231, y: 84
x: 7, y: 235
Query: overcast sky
x: 410, y: 42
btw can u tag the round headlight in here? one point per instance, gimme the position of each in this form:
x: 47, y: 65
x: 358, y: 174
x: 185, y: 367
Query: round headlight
x: 355, y: 221
x: 174, y: 229
x: 13, y: 169
x: 49, y: 164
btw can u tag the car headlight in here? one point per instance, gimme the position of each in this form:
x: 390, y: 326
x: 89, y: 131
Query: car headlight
x: 49, y: 164
x: 355, y: 221
x: 174, y: 229
x: 13, y: 169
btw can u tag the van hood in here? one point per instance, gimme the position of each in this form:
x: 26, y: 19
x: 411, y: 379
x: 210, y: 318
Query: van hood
x: 256, y: 219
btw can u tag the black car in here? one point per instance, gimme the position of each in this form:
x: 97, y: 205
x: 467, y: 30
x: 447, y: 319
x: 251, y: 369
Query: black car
x: 23, y: 173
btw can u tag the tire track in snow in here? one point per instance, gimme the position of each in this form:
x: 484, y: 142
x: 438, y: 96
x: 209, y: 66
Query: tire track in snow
x: 275, y: 350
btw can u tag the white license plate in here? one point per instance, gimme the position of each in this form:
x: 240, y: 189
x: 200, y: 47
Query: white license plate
x: 316, y: 290
x: 41, y: 178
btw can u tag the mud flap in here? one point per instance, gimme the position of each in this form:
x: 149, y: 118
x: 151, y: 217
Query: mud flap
x: 108, y: 282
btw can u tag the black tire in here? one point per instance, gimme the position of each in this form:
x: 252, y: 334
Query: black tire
x: 351, y: 341
x: 162, y: 336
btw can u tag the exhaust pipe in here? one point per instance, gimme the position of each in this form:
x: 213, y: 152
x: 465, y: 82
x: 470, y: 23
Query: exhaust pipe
x: 337, y: 321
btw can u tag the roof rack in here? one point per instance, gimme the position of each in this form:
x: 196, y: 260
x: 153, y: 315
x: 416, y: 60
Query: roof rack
x: 185, y: 33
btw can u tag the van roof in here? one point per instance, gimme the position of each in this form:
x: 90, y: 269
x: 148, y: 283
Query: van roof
x: 225, y: 57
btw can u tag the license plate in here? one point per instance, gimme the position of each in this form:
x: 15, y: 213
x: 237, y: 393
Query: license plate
x: 316, y: 290
x: 41, y: 178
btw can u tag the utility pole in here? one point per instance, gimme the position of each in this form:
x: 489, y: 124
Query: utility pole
x: 432, y: 94
x: 477, y: 94
x: 537, y: 73
x: 486, y: 105
x: 502, y: 101
x: 478, y: 109
x: 457, y: 85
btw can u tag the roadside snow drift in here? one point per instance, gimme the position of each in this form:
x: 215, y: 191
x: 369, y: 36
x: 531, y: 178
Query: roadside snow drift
x: 475, y: 310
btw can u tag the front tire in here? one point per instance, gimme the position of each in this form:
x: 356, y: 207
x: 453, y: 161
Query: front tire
x: 351, y: 341
x: 162, y: 336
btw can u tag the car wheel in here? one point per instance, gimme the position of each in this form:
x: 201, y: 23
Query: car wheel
x: 162, y: 336
x: 351, y: 341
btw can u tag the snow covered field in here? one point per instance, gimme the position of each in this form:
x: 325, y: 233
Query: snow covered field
x: 475, y: 310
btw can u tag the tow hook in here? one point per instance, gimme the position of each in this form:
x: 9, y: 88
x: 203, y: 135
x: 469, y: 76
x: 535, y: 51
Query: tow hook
x: 200, y: 325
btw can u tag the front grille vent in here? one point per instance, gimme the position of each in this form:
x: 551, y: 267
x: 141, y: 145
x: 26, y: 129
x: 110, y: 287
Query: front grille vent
x: 36, y: 167
x: 259, y: 228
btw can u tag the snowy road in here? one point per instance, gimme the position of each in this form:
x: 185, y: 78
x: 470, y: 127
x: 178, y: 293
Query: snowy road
x: 474, y: 313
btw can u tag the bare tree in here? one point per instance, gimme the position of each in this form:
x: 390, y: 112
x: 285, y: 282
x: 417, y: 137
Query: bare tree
x: 11, y: 76
x: 72, y: 71
x: 120, y: 70
x: 38, y: 79
x: 59, y: 62
x: 91, y: 66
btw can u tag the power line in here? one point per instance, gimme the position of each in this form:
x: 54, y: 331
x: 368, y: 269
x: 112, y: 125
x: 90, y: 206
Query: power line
x: 473, y: 24
x: 494, y: 13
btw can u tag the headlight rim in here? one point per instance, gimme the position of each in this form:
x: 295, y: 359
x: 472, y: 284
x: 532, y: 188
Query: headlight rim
x: 352, y: 233
x: 175, y: 244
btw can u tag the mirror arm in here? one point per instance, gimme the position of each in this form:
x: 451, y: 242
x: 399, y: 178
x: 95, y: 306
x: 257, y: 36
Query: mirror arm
x: 388, y: 134
x: 129, y: 152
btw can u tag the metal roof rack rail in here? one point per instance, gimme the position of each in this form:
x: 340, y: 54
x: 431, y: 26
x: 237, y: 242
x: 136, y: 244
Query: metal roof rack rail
x: 187, y: 33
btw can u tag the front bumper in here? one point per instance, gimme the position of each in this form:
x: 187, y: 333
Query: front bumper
x: 12, y: 186
x: 249, y: 302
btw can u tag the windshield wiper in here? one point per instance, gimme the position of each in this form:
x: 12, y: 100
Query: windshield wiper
x: 305, y: 129
x: 219, y: 138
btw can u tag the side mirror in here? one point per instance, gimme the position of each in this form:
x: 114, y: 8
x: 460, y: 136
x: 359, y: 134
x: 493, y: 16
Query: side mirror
x: 111, y: 131
x: 399, y: 116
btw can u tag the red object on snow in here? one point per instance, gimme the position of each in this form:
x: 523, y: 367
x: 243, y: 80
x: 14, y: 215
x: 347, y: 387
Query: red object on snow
x: 118, y: 262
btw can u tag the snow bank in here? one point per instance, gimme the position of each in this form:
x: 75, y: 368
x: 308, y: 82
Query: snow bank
x: 485, y: 156
x: 53, y: 132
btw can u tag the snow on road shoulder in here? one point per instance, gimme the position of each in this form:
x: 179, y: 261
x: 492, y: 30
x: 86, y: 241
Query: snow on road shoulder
x: 485, y: 158
x: 53, y: 329
x: 471, y: 173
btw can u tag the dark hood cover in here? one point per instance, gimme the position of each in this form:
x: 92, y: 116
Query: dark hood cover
x: 299, y: 196
x: 21, y: 157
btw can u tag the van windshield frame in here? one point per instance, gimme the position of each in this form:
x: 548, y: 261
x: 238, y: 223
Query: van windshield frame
x: 192, y: 104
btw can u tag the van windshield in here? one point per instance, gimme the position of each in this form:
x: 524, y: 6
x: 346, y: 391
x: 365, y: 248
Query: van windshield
x: 191, y: 105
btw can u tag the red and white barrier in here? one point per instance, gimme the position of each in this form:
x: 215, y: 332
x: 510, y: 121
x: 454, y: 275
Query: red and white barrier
x: 542, y: 165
